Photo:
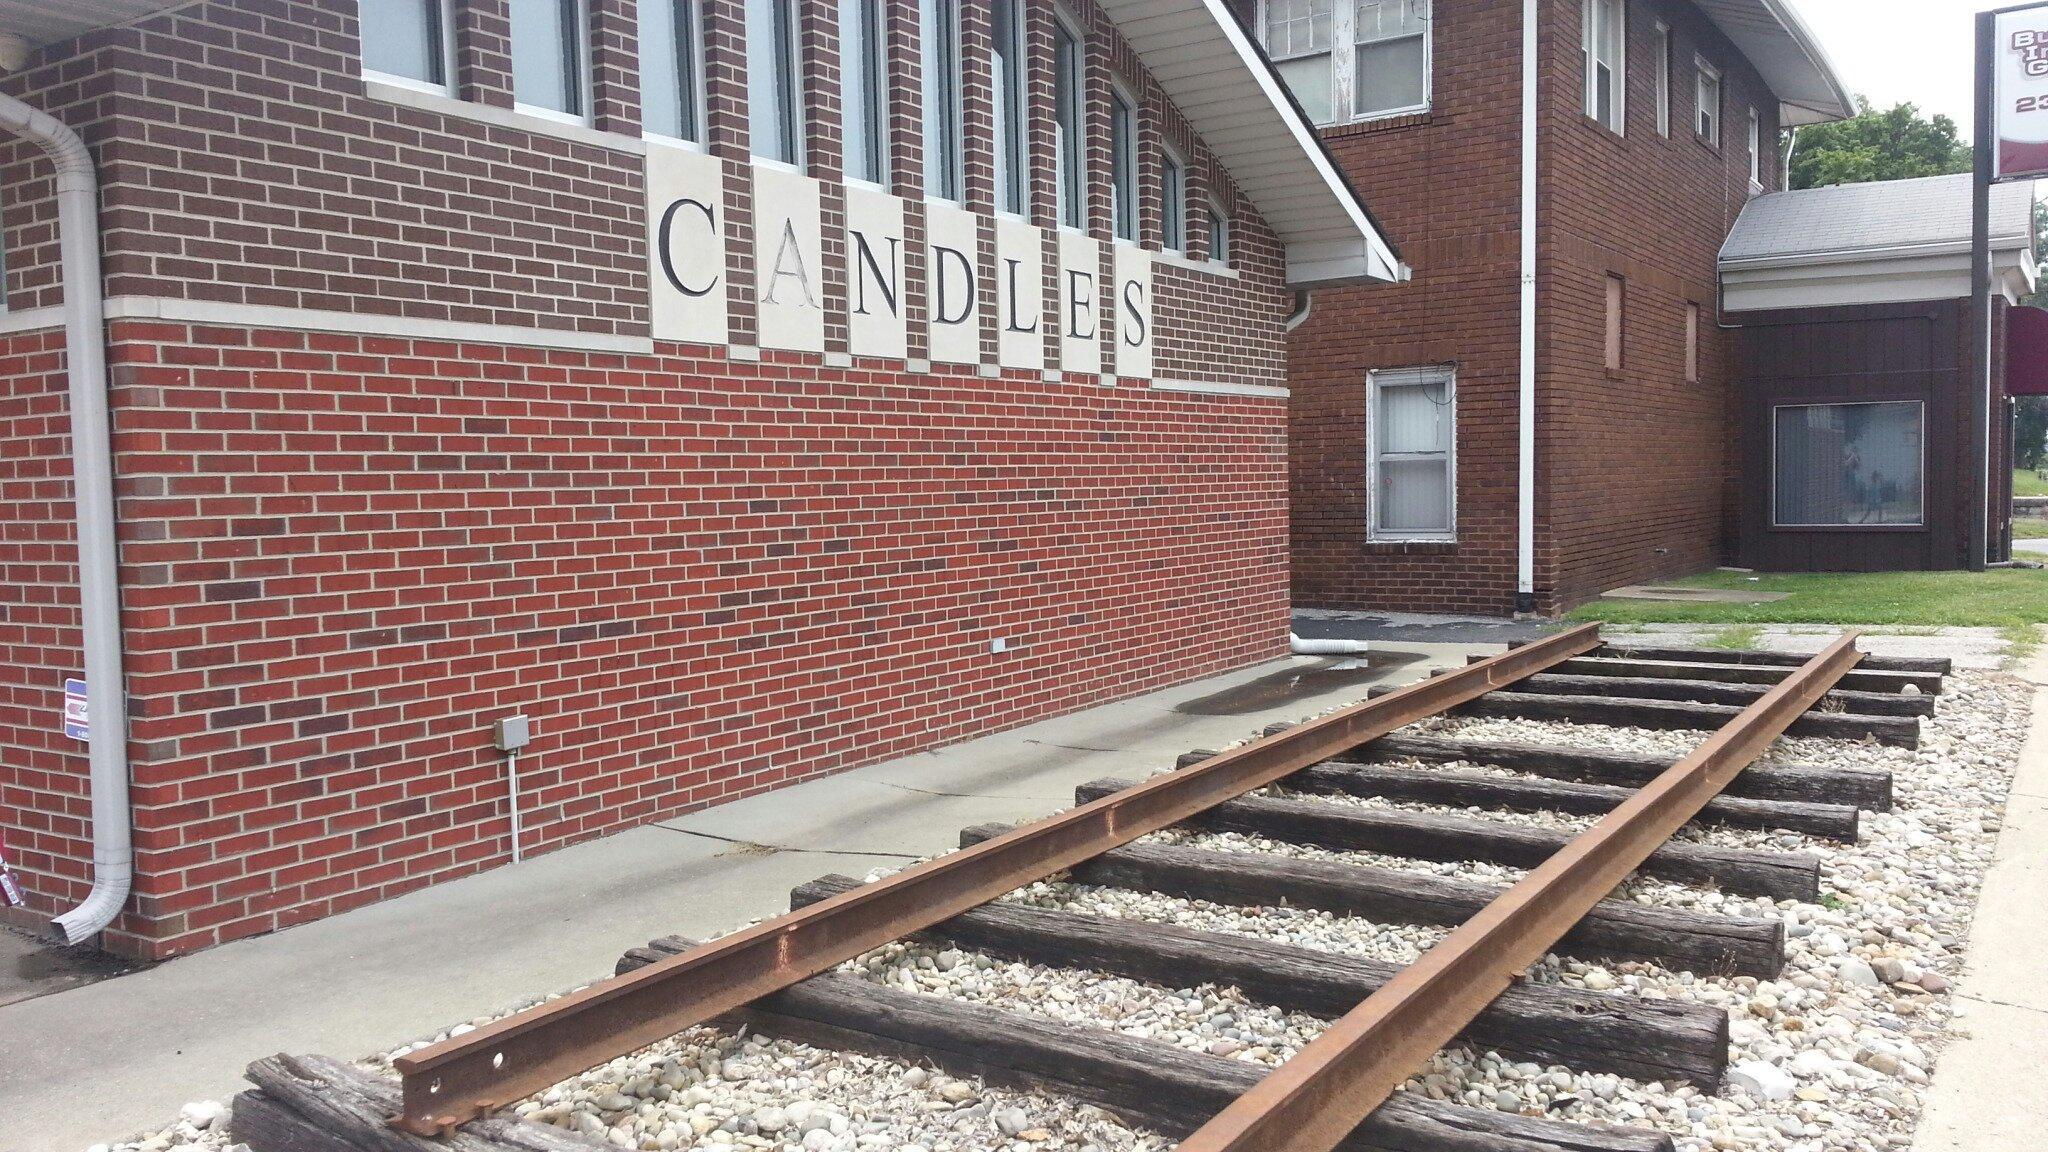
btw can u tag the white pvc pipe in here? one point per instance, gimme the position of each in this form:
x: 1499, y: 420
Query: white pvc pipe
x: 1306, y: 647
x: 1525, y: 481
x: 92, y: 480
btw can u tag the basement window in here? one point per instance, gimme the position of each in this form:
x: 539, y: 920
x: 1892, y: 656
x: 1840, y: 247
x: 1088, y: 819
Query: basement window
x: 406, y: 42
x: 1847, y: 465
x: 1411, y: 428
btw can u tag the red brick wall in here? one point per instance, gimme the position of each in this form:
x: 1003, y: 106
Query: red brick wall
x: 344, y: 557
x: 44, y: 811
x: 1628, y: 464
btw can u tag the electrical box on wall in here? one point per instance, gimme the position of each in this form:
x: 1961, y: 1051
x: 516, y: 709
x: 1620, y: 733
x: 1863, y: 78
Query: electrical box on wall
x: 512, y: 733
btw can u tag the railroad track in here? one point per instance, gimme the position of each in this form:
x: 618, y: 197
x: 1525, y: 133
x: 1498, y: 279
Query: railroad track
x: 1338, y: 1091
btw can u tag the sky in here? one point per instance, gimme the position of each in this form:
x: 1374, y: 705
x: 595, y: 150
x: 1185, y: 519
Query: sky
x: 1902, y: 50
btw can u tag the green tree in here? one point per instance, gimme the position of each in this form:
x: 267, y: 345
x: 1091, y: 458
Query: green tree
x: 1895, y: 144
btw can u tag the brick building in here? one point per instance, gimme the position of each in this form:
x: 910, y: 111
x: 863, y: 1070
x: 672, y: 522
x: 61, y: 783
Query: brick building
x: 1544, y: 412
x: 740, y: 390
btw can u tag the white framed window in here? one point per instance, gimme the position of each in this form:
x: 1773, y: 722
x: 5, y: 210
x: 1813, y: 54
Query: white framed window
x: 1390, y: 57
x: 1070, y: 175
x: 1848, y: 465
x: 672, y: 70
x: 1300, y: 37
x: 939, y: 31
x: 1349, y: 60
x: 1706, y: 123
x: 1123, y: 164
x: 1006, y: 84
x: 864, y: 91
x: 1756, y: 152
x: 1604, y: 39
x: 775, y: 103
x: 551, y: 59
x: 1663, y: 78
x: 1173, y: 202
x: 1411, y: 430
x: 1219, y: 233
x: 409, y: 43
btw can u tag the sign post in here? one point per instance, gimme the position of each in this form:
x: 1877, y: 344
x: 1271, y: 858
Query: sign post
x: 2010, y: 143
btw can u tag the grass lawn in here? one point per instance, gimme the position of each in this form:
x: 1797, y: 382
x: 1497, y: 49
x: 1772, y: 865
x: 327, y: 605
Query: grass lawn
x: 2026, y: 483
x: 2029, y: 529
x: 2012, y: 599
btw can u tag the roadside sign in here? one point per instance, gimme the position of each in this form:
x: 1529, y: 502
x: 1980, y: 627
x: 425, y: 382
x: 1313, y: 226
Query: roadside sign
x: 77, y: 724
x: 2020, y: 87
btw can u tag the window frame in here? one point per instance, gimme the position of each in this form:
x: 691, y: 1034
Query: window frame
x: 1920, y: 411
x: 1588, y: 36
x: 1070, y: 141
x: 951, y: 184
x: 1009, y: 144
x: 1376, y: 380
x: 790, y: 18
x: 1756, y: 151
x: 1343, y: 57
x: 445, y: 31
x: 875, y: 68
x: 580, y: 55
x: 1703, y: 73
x: 695, y: 46
x: 1664, y: 70
x: 1219, y: 228
x: 1173, y: 200
x: 1126, y: 198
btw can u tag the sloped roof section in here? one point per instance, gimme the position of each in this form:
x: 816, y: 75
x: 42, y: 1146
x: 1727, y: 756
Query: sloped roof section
x: 1929, y: 215
x: 1773, y: 38
x: 1206, y: 62
x: 47, y: 21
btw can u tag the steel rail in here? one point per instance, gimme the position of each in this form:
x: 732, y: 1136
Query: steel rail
x: 460, y: 1079
x: 1313, y: 1101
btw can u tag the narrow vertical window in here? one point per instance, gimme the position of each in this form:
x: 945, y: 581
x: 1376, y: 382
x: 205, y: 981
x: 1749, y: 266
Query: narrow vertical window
x: 1123, y: 159
x: 1173, y: 204
x: 1604, y: 39
x: 1756, y: 152
x: 548, y: 71
x: 864, y: 95
x: 1068, y: 150
x: 1692, y: 343
x: 1412, y: 426
x: 1390, y: 60
x: 1616, y: 302
x: 1663, y: 78
x: 671, y: 67
x: 406, y: 40
x: 1299, y: 38
x: 774, y: 94
x: 939, y: 25
x: 1707, y: 123
x: 1007, y: 83
x: 1219, y: 234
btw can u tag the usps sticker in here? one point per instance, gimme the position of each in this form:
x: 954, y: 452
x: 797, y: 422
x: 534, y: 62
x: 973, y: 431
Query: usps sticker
x: 76, y: 723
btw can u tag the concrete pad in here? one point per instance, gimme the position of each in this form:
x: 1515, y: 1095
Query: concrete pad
x: 30, y: 968
x: 1988, y: 1094
x: 1679, y: 595
x: 97, y: 1063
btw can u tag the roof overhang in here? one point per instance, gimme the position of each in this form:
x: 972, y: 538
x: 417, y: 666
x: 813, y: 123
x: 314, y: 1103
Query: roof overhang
x: 1784, y: 51
x: 1898, y: 275
x: 1208, y: 65
x: 38, y: 22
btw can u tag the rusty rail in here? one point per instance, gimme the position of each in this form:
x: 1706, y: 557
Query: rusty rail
x: 460, y: 1079
x: 1313, y: 1101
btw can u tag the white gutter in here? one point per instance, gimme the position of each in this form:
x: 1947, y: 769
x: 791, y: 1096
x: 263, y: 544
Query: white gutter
x: 92, y: 481
x: 1525, y: 483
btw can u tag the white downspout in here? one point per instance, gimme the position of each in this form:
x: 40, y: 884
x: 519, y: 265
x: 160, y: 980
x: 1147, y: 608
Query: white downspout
x: 92, y: 481
x: 1525, y: 484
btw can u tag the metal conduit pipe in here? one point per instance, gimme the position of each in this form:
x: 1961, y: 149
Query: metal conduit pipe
x: 92, y: 481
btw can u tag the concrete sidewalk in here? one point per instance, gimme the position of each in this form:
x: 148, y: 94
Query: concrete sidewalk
x: 104, y: 1061
x: 1989, y: 1094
